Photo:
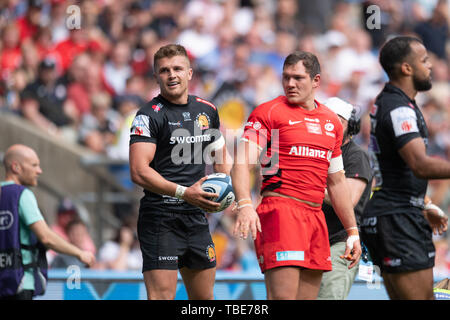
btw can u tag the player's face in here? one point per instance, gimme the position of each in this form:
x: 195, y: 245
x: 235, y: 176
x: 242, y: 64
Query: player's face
x: 30, y: 170
x: 298, y: 85
x: 173, y: 75
x: 421, y: 67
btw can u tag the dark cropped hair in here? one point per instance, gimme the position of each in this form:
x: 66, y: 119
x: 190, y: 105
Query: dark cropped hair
x: 394, y: 53
x: 310, y: 62
x: 169, y: 51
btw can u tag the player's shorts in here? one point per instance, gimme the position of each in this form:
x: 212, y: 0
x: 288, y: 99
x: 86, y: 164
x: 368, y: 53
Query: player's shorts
x: 175, y: 240
x: 293, y: 234
x: 399, y: 242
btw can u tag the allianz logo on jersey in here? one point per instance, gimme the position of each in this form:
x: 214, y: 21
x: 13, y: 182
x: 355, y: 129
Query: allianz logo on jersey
x: 305, y: 151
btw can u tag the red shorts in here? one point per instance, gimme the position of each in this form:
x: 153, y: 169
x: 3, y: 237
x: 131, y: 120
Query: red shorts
x: 293, y: 234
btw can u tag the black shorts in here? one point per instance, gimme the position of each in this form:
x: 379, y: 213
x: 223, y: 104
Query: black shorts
x: 175, y: 240
x: 399, y: 242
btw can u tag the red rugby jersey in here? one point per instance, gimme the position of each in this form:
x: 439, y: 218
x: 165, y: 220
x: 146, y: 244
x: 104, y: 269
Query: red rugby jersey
x: 300, y: 144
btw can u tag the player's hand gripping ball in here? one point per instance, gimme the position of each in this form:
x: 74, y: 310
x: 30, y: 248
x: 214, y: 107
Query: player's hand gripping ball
x: 220, y: 183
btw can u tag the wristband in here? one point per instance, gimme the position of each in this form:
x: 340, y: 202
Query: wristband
x: 179, y: 193
x: 244, y: 202
x: 245, y: 205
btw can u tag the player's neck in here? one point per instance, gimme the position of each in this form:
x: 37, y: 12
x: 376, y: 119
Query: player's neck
x: 308, y: 105
x: 182, y: 99
x: 406, y: 86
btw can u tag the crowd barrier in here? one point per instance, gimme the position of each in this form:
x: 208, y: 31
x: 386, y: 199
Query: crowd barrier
x: 84, y: 284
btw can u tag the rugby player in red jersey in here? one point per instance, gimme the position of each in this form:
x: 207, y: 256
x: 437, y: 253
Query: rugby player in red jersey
x: 301, y: 143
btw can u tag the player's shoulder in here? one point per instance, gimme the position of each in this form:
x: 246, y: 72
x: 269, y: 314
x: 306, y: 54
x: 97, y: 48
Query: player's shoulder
x: 153, y: 109
x: 326, y: 112
x: 266, y: 108
x: 391, y: 98
x: 153, y: 106
x: 202, y: 102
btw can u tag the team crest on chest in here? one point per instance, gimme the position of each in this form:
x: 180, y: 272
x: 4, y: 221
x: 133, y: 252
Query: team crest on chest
x: 202, y: 121
x: 329, y: 126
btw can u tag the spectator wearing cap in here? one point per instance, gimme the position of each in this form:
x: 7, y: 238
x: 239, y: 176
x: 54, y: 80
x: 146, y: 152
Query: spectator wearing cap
x: 44, y: 101
x: 66, y: 213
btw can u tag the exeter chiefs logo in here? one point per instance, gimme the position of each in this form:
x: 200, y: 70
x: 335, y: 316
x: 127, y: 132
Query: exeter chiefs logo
x: 202, y: 121
x: 211, y: 253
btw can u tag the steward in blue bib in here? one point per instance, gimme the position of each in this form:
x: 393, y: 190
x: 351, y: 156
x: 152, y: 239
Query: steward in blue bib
x: 11, y: 264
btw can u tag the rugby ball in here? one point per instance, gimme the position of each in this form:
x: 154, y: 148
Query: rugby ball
x: 220, y: 183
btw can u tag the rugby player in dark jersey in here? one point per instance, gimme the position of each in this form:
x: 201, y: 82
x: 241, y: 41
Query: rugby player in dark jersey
x: 396, y: 228
x: 172, y: 138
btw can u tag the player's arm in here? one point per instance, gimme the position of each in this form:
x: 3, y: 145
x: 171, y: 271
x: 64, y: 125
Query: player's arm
x: 246, y: 159
x: 339, y: 194
x: 53, y: 241
x: 422, y: 165
x: 30, y: 110
x: 222, y: 158
x: 356, y: 187
x: 141, y: 155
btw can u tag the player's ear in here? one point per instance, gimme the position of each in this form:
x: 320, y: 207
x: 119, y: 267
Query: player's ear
x: 316, y: 81
x: 190, y: 73
x: 406, y: 68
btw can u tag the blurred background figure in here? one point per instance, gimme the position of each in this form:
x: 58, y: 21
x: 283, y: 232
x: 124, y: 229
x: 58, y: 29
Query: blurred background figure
x: 76, y: 234
x: 123, y: 251
x: 98, y: 128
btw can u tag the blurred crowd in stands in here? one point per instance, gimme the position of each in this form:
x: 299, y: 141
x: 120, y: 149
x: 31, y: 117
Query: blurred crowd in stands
x: 80, y: 73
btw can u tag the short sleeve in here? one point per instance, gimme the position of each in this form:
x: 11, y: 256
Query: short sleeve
x: 28, y: 93
x: 216, y: 120
x: 258, y: 129
x: 339, y: 135
x: 403, y: 121
x: 358, y: 165
x: 28, y: 208
x: 217, y: 140
x: 144, y: 128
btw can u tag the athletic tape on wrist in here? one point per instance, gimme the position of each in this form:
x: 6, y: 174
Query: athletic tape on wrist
x: 179, y: 193
x: 351, y: 241
x: 432, y: 206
